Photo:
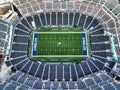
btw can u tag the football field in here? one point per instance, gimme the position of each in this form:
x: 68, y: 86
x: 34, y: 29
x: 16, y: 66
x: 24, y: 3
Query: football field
x: 55, y: 44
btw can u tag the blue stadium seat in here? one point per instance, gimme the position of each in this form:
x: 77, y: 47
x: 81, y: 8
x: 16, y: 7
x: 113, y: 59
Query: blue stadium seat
x: 89, y: 82
x: 34, y: 68
x: 59, y: 72
x: 42, y: 16
x: 53, y: 18
x: 40, y: 70
x: 79, y: 70
x: 59, y: 20
x: 26, y: 23
x: 92, y: 66
x: 71, y: 18
x: 82, y: 21
x: 47, y: 85
x: 20, y: 65
x: 81, y: 84
x: 73, y: 73
x: 26, y: 67
x: 37, y: 21
x: 65, y: 18
x: 76, y: 19
x: 46, y: 72
x: 48, y: 18
x: 53, y: 72
x: 21, y: 32
x: 66, y: 72
x: 85, y: 68
x: 96, y: 78
x: 38, y: 84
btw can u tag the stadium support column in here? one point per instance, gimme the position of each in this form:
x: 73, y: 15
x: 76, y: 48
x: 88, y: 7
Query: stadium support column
x: 68, y: 19
x: 62, y: 18
x: 56, y: 18
x: 73, y: 19
x: 50, y: 19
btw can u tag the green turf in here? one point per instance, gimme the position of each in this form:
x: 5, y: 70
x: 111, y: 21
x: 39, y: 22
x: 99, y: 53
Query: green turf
x: 58, y: 44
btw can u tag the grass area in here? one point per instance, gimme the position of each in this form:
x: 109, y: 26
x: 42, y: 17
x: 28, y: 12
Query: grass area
x: 58, y: 44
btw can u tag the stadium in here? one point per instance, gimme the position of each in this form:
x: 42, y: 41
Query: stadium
x: 59, y: 45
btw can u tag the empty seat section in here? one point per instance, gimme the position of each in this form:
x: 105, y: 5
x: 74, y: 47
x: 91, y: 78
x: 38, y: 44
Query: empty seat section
x: 22, y: 27
x: 8, y: 63
x: 73, y: 73
x: 59, y: 18
x: 104, y: 77
x: 88, y: 21
x: 111, y: 64
x: 18, y: 54
x: 66, y: 72
x: 40, y: 70
x: 19, y: 47
x: 29, y: 82
x: 99, y: 26
x: 42, y: 17
x: 48, y: 18
x: 97, y: 32
x: 97, y: 79
x: 65, y: 18
x: 71, y: 85
x: 63, y: 85
x: 47, y: 85
x: 29, y: 19
x: 23, y: 87
x: 55, y: 85
x: 116, y: 84
x: 53, y: 18
x: 102, y: 54
x: 82, y: 21
x: 37, y: 21
x: 27, y: 67
x: 16, y: 76
x: 101, y: 59
x: 52, y: 72
x: 99, y: 39
x: 85, y: 68
x: 25, y: 22
x: 79, y: 70
x: 21, y: 39
x: 20, y: 65
x: 10, y: 87
x: 98, y: 64
x: 92, y: 66
x: 76, y: 19
x: 81, y: 84
x: 97, y: 47
x: 18, y: 60
x: 109, y: 87
x: 94, y: 23
x: 89, y: 82
x: 59, y: 72
x: 21, y: 32
x: 38, y: 84
x: 22, y: 79
x: 46, y: 72
x: 34, y: 68
x: 71, y: 18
